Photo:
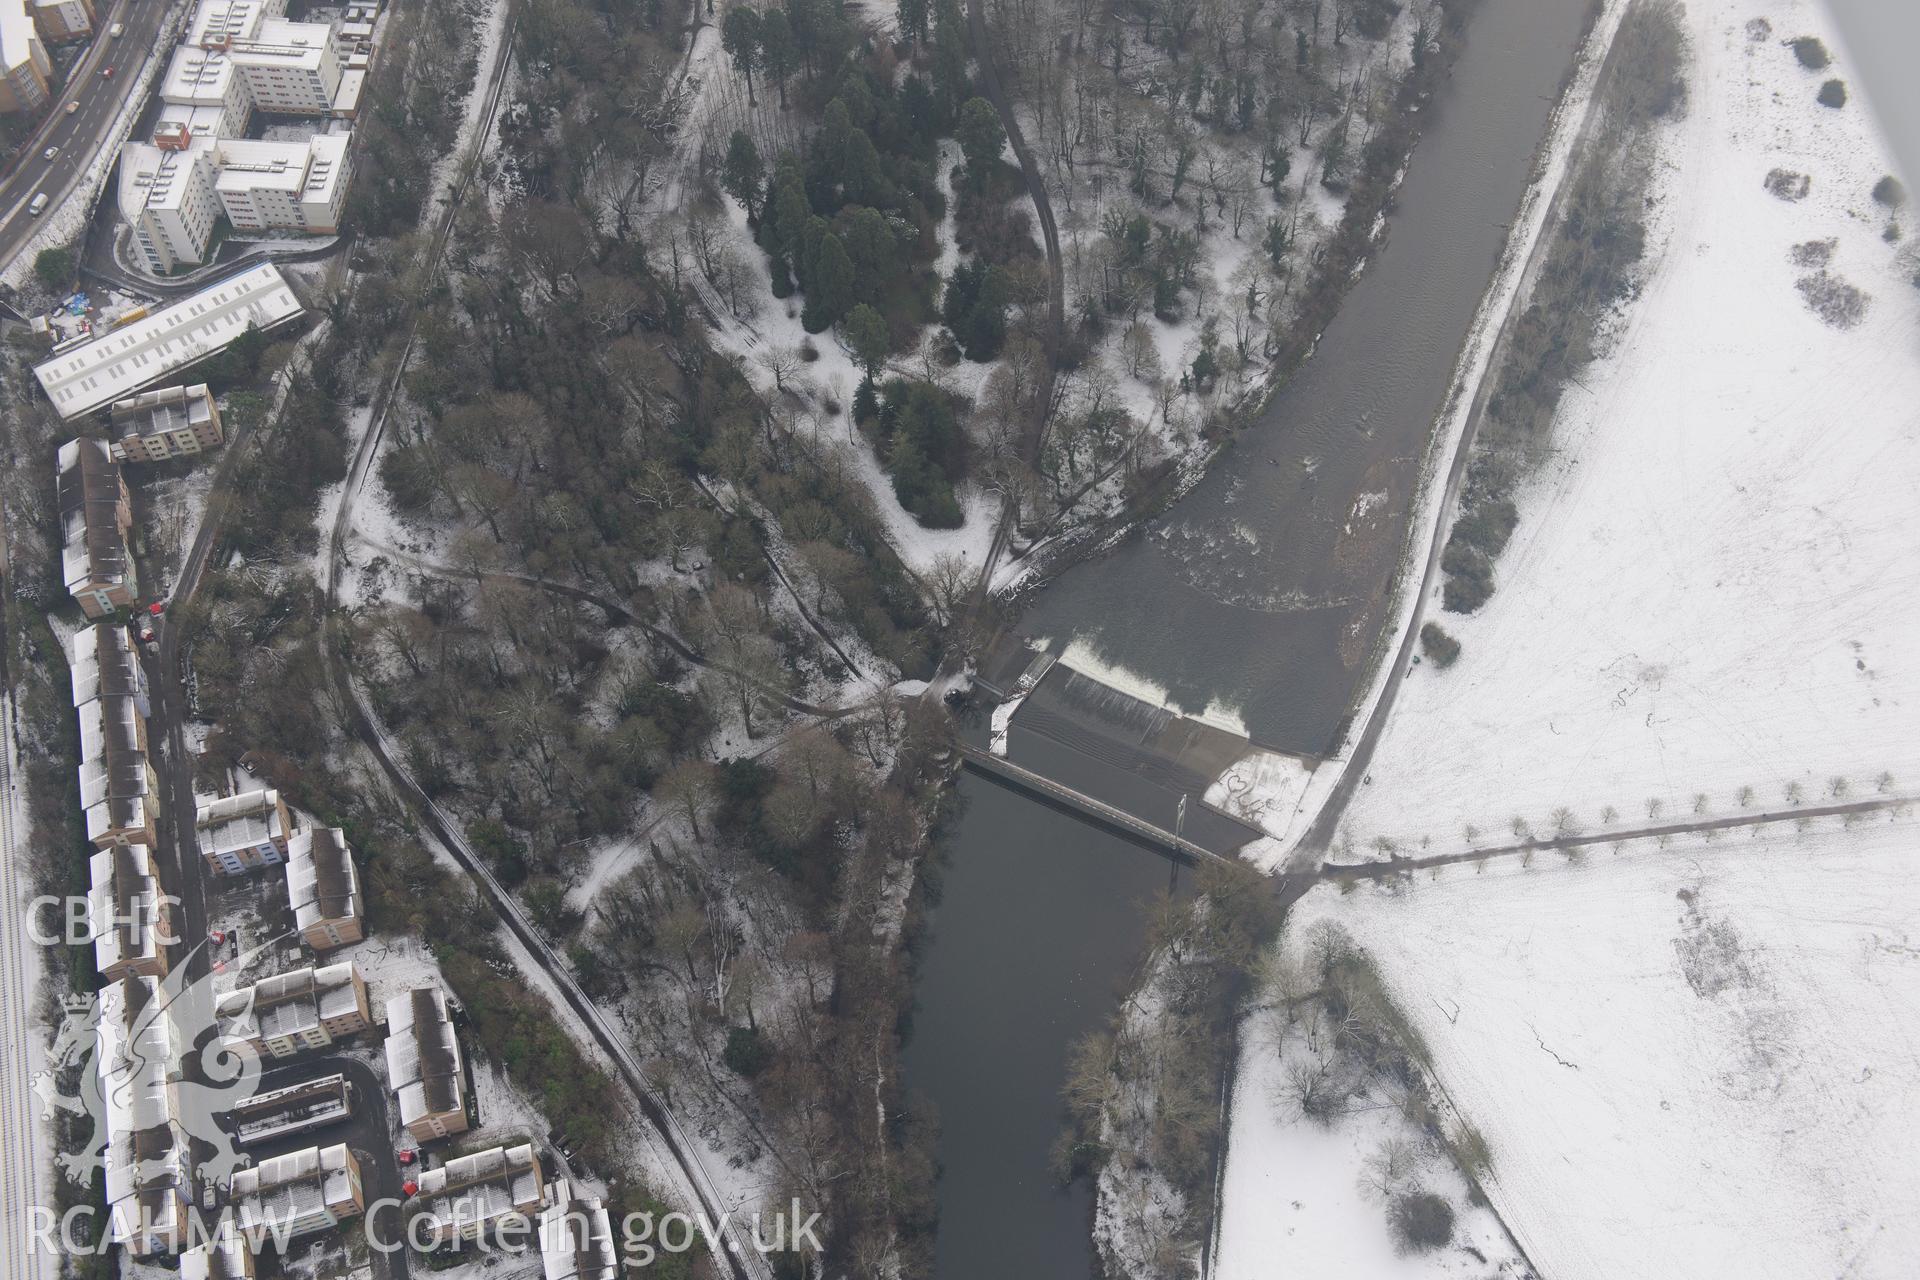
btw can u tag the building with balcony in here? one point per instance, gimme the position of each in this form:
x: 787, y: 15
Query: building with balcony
x: 237, y: 833
x: 95, y: 516
x: 281, y: 1113
x: 291, y: 1013
x: 297, y: 1194
x: 324, y: 889
x: 423, y: 1064
x: 468, y: 1196
x: 172, y: 422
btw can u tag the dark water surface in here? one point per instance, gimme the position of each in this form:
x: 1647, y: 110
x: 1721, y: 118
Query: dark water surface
x: 1262, y: 588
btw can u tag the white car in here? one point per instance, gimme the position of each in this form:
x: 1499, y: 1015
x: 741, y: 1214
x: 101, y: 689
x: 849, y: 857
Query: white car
x: 50, y: 153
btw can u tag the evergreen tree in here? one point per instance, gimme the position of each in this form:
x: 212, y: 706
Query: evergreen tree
x: 912, y: 16
x: 981, y: 140
x: 776, y: 49
x: 867, y: 335
x: 743, y: 173
x: 740, y: 37
x: 829, y: 285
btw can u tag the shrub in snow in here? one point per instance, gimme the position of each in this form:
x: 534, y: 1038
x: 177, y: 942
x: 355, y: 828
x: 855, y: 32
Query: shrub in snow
x: 1422, y: 1221
x: 1788, y: 185
x: 1833, y: 94
x: 1832, y: 299
x: 1889, y: 192
x: 1812, y: 53
x: 1442, y: 650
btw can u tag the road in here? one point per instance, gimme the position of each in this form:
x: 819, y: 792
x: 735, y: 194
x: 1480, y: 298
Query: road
x: 80, y: 135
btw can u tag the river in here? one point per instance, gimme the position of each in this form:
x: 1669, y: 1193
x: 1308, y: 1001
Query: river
x: 1261, y: 589
x: 1264, y: 588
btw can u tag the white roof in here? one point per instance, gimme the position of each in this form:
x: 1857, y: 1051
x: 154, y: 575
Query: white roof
x: 134, y: 1058
x: 123, y: 906
x: 244, y: 821
x: 215, y: 19
x: 16, y: 34
x: 203, y: 120
x: 327, y: 168
x: 576, y: 1237
x: 280, y: 43
x: 353, y: 83
x: 262, y: 166
x: 154, y: 178
x: 423, y: 1054
x: 197, y: 76
x: 101, y: 661
x: 147, y: 351
x: 285, y: 1189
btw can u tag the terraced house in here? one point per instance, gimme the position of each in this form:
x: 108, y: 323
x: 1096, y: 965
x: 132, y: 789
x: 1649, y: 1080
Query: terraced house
x: 293, y: 1012
x: 95, y: 515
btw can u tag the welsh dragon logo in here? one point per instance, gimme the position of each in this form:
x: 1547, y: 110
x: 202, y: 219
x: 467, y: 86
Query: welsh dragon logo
x: 169, y: 1032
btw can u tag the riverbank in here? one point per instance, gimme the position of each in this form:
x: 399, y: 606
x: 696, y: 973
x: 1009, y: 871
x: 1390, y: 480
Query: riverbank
x: 1332, y: 784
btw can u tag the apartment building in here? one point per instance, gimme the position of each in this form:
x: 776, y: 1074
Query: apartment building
x: 224, y: 1257
x: 298, y: 1193
x: 117, y: 784
x: 198, y: 77
x: 467, y: 1196
x: 127, y: 914
x: 295, y: 186
x: 101, y: 663
x: 148, y: 1174
x: 59, y: 21
x: 576, y: 1237
x: 95, y: 516
x: 324, y: 889
x: 291, y: 1013
x: 291, y: 68
x: 237, y: 833
x: 215, y: 24
x: 24, y: 65
x: 167, y: 197
x: 281, y: 1113
x: 423, y: 1064
x: 173, y: 422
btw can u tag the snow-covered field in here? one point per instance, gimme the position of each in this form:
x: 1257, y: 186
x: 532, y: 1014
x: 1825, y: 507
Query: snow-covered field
x: 1295, y: 1194
x: 1691, y: 1056
x: 1695, y: 1060
x: 1712, y: 584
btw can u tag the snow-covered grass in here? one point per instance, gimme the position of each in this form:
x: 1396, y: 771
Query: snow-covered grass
x: 1294, y: 1199
x: 1711, y: 588
x: 1691, y: 1060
